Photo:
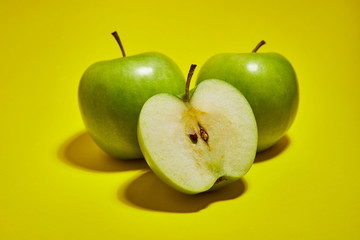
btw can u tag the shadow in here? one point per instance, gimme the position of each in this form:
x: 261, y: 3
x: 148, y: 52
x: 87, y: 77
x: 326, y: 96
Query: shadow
x: 149, y: 192
x: 82, y: 152
x: 273, y: 151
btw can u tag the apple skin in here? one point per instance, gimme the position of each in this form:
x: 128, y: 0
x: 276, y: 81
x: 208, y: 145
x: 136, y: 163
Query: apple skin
x: 111, y: 94
x: 269, y: 83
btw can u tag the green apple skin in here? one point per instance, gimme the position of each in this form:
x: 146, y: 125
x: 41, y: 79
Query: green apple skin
x: 111, y: 94
x: 269, y: 83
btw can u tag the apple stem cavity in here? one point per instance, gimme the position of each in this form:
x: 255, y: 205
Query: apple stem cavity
x: 258, y: 46
x: 117, y: 38
x: 188, y: 80
x: 220, y: 180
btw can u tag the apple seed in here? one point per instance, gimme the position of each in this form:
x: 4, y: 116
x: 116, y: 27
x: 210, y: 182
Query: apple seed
x: 193, y: 138
x: 203, y: 134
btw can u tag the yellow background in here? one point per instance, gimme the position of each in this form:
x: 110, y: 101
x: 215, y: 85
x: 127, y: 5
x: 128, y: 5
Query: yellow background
x: 56, y: 184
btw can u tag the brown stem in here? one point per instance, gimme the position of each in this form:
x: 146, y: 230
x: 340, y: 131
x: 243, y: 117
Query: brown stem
x: 188, y: 80
x: 258, y: 46
x: 117, y: 38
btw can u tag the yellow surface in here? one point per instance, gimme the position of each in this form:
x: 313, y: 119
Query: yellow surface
x: 56, y: 184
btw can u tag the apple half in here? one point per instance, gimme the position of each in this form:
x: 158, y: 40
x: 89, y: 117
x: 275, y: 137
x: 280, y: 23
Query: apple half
x: 200, y: 143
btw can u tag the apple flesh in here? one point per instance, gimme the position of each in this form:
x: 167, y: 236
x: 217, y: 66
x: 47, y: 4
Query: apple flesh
x: 202, y: 144
x: 112, y: 93
x: 269, y: 83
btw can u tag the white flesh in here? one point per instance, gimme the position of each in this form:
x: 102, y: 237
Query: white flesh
x: 166, y: 122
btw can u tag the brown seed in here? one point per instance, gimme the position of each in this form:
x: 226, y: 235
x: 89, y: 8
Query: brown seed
x: 193, y: 138
x: 204, y: 134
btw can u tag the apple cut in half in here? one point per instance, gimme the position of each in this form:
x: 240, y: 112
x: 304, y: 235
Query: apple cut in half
x: 202, y: 143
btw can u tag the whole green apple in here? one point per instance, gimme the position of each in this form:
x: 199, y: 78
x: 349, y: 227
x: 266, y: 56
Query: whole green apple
x: 111, y: 94
x: 268, y: 81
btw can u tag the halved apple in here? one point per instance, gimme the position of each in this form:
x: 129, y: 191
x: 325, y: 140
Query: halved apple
x: 202, y: 143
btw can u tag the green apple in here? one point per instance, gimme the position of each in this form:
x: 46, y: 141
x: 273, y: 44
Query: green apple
x: 268, y: 82
x: 111, y: 94
x: 202, y: 142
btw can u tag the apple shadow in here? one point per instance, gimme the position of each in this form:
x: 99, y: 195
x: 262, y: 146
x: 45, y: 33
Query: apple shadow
x: 273, y: 151
x: 149, y: 192
x: 82, y: 152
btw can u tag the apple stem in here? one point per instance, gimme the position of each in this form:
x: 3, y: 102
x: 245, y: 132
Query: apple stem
x: 258, y: 46
x: 117, y: 38
x: 188, y: 80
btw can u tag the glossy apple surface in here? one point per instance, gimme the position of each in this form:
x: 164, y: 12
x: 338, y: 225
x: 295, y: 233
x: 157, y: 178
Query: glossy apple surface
x: 112, y: 93
x: 269, y: 83
x: 201, y: 144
